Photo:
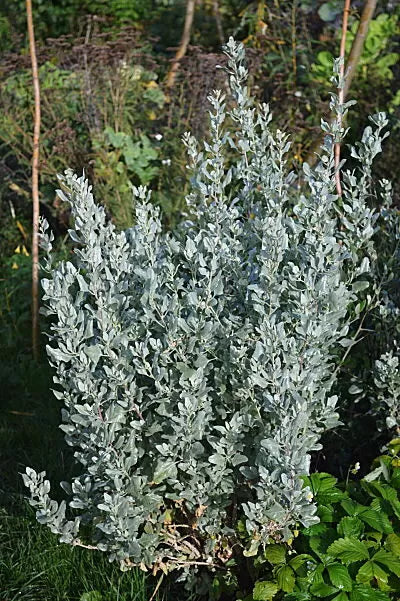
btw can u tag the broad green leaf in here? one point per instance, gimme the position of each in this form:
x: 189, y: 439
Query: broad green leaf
x: 377, y: 520
x: 351, y: 507
x: 393, y: 544
x: 297, y: 561
x: 373, y: 539
x: 369, y: 571
x: 341, y: 597
x: 389, y: 500
x: 340, y: 577
x: 117, y: 139
x: 394, y: 445
x: 320, y: 544
x: 381, y: 490
x: 363, y: 592
x: 317, y: 575
x: 348, y: 549
x: 315, y: 530
x: 395, y: 479
x: 264, y: 590
x: 298, y: 596
x: 334, y: 495
x: 320, y: 482
x: 389, y: 560
x: 325, y: 513
x: 286, y: 578
x: 321, y: 589
x: 275, y: 554
x: 323, y: 488
x: 350, y: 527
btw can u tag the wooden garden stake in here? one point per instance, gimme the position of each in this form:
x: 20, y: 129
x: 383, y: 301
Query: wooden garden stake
x: 358, y: 43
x: 180, y: 53
x: 346, y: 11
x: 35, y: 185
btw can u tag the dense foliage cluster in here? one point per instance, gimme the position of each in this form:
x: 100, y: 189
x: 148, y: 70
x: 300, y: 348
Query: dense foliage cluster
x: 352, y: 554
x: 196, y: 367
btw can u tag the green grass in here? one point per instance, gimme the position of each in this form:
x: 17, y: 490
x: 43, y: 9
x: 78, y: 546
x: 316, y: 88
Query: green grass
x: 35, y: 567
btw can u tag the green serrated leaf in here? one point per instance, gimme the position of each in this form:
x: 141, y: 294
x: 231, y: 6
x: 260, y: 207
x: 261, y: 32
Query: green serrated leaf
x: 340, y: 577
x: 298, y: 596
x: 369, y: 571
x: 380, y: 489
x: 388, y: 500
x: 341, y: 597
x: 377, y: 520
x: 389, y: 560
x: 275, y: 554
x: 351, y: 507
x: 315, y: 530
x: 325, y: 513
x: 321, y: 589
x: 317, y: 575
x: 320, y: 483
x: 286, y: 578
x: 297, y: 561
x: 350, y: 527
x: 318, y: 545
x: 392, y: 543
x: 348, y: 549
x: 264, y: 590
x: 363, y: 592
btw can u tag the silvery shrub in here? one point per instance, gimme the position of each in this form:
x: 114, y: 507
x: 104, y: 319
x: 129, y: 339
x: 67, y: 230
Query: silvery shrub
x: 385, y: 394
x: 196, y: 367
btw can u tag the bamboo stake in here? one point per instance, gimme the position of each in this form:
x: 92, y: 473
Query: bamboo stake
x: 346, y: 11
x: 180, y: 53
x: 352, y: 63
x: 358, y: 43
x: 35, y: 185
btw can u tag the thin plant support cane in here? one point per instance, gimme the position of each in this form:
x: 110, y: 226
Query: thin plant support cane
x: 351, y: 65
x: 346, y: 11
x: 358, y: 44
x: 180, y: 53
x: 35, y: 184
